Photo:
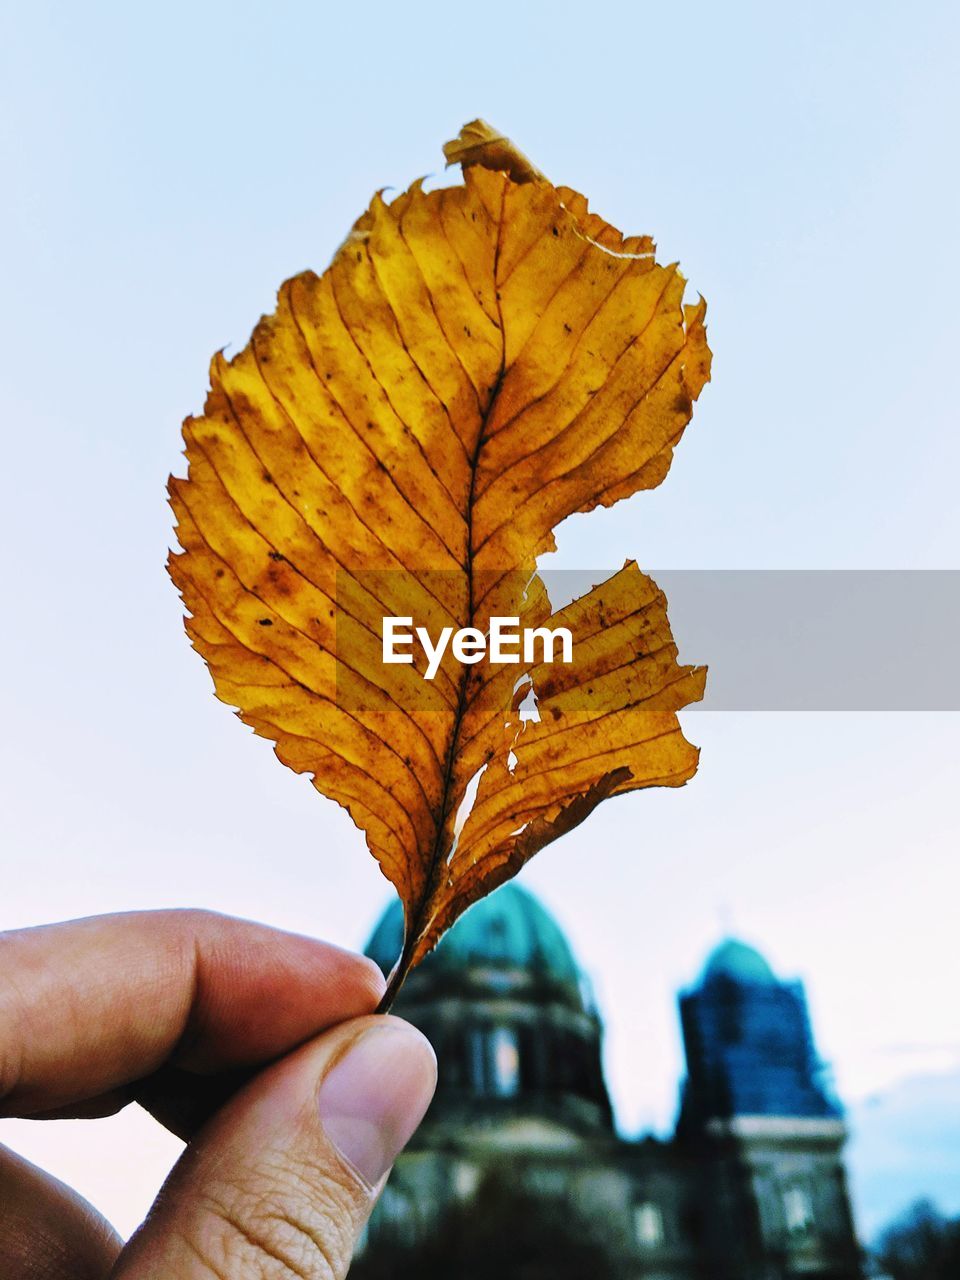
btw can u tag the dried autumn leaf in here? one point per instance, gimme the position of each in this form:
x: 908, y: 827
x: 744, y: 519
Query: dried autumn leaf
x: 400, y: 438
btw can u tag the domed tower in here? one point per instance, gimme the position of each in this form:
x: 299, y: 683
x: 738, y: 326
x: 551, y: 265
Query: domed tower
x: 749, y: 1045
x: 511, y: 1017
x: 769, y: 1132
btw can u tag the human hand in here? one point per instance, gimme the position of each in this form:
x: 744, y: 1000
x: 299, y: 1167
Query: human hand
x: 249, y: 1043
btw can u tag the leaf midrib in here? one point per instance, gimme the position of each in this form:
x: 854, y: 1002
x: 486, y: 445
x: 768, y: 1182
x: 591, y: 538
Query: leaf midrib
x: 437, y: 860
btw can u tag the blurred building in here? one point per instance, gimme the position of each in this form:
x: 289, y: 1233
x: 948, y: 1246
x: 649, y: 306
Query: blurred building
x: 750, y: 1187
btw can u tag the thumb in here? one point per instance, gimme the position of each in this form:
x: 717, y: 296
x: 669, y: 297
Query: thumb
x: 281, y: 1181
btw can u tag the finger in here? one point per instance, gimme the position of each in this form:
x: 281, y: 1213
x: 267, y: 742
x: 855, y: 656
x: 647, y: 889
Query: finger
x: 92, y: 1005
x: 182, y: 1101
x: 47, y: 1232
x: 282, y: 1180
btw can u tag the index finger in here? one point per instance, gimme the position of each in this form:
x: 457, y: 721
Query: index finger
x: 91, y: 1005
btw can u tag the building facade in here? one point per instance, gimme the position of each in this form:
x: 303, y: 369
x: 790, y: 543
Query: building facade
x: 750, y: 1187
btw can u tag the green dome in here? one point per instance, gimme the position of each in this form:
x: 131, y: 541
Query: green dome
x: 507, y: 929
x: 737, y: 962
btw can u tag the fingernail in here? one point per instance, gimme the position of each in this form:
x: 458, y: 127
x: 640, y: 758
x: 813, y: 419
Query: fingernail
x: 375, y: 1096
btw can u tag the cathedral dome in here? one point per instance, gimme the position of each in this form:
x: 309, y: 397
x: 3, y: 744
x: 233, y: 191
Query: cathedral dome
x: 511, y: 1017
x: 737, y: 962
x: 509, y: 929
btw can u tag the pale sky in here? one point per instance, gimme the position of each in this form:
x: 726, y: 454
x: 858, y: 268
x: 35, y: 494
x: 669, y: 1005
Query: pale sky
x: 167, y: 168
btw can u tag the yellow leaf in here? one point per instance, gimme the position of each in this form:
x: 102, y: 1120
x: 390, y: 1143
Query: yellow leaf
x: 400, y: 439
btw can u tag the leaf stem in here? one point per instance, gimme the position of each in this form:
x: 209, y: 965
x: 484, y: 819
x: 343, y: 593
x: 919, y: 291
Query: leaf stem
x: 395, y: 981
